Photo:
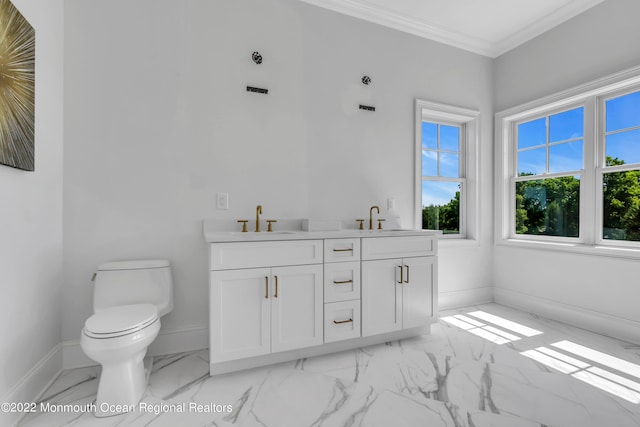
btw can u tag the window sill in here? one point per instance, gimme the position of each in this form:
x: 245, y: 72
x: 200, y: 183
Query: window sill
x: 576, y: 248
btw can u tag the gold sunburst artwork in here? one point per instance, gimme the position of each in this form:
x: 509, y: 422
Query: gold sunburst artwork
x: 17, y: 88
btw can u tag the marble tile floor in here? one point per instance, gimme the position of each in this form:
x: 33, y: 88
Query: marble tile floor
x: 452, y: 378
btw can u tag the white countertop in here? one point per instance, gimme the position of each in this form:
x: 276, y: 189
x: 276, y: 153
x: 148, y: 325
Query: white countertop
x: 215, y: 236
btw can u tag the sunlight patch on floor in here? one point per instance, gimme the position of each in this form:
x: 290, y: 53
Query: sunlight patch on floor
x: 505, y: 323
x: 603, y: 379
x: 565, y: 356
x: 501, y: 331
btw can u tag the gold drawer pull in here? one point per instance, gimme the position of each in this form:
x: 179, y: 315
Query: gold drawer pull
x: 338, y: 322
x: 342, y: 282
x: 343, y: 250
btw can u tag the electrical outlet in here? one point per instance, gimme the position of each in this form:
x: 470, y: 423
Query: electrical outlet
x: 222, y: 201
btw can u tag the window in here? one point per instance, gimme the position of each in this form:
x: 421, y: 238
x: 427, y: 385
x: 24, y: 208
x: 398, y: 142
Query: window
x: 621, y: 168
x: 549, y: 159
x: 569, y: 168
x: 442, y: 179
x: 446, y: 143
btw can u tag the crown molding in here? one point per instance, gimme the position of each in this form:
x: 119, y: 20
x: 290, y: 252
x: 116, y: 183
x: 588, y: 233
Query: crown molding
x: 421, y: 28
x: 543, y: 25
x: 391, y: 19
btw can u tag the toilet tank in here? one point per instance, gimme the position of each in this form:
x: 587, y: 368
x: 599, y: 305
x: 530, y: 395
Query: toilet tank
x: 134, y: 282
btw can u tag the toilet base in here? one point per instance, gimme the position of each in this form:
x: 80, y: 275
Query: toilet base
x: 113, y: 399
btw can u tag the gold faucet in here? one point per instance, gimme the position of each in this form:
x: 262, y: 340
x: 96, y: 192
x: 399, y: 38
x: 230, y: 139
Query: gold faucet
x: 258, y: 212
x: 371, y: 216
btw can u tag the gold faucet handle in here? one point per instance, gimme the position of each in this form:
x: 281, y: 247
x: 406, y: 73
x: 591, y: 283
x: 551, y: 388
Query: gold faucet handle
x: 244, y: 224
x: 361, y: 221
x: 269, y: 222
x: 380, y: 224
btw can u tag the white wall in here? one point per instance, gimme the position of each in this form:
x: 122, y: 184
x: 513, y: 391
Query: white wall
x: 596, y: 43
x: 596, y: 292
x: 31, y: 217
x: 158, y: 121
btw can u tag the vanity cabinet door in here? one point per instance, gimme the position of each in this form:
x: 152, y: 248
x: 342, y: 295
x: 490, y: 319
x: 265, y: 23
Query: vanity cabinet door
x: 381, y: 296
x: 240, y: 314
x: 397, y: 294
x: 417, y: 291
x: 296, y: 307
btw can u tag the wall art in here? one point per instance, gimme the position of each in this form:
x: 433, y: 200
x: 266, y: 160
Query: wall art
x: 17, y: 88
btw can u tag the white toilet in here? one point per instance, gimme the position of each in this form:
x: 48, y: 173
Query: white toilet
x: 128, y: 300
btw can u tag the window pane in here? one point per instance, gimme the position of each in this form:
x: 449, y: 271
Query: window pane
x: 449, y: 165
x: 532, y: 162
x: 532, y: 133
x: 565, y: 157
x: 624, y: 146
x: 621, y: 205
x: 449, y: 138
x: 623, y: 112
x: 566, y: 125
x: 429, y: 135
x: 548, y: 207
x: 429, y: 163
x: 441, y: 206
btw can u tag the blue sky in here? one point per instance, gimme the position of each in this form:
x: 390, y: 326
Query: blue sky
x: 438, y: 193
x: 566, y: 145
x: 624, y: 113
x: 566, y: 132
x: 447, y: 155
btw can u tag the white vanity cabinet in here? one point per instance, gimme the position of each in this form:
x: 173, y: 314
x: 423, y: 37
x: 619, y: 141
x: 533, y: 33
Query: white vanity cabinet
x: 257, y: 309
x: 399, y: 283
x: 290, y: 295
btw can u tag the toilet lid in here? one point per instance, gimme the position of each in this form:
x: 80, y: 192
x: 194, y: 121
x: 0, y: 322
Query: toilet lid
x: 121, y: 319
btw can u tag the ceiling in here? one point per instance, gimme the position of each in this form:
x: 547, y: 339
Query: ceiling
x: 486, y: 27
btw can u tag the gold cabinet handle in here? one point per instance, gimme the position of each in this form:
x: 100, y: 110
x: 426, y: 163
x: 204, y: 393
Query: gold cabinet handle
x: 401, y: 274
x: 407, y: 280
x: 339, y: 322
x: 342, y: 282
x: 266, y: 286
x: 276, y: 294
x: 343, y: 250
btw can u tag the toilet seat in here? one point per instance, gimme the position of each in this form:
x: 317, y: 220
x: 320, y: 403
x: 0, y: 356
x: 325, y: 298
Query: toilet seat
x: 121, y: 320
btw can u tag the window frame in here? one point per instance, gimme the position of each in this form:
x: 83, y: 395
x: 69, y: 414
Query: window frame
x: 601, y: 169
x: 592, y: 96
x: 515, y: 178
x: 468, y: 122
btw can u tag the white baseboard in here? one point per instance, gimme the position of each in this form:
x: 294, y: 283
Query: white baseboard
x: 168, y: 342
x: 31, y: 387
x: 464, y: 298
x: 602, y: 323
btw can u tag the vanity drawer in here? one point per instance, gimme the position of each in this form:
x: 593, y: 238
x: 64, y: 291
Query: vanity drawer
x: 398, y: 247
x: 228, y: 256
x: 339, y: 250
x: 341, y: 320
x: 341, y: 281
